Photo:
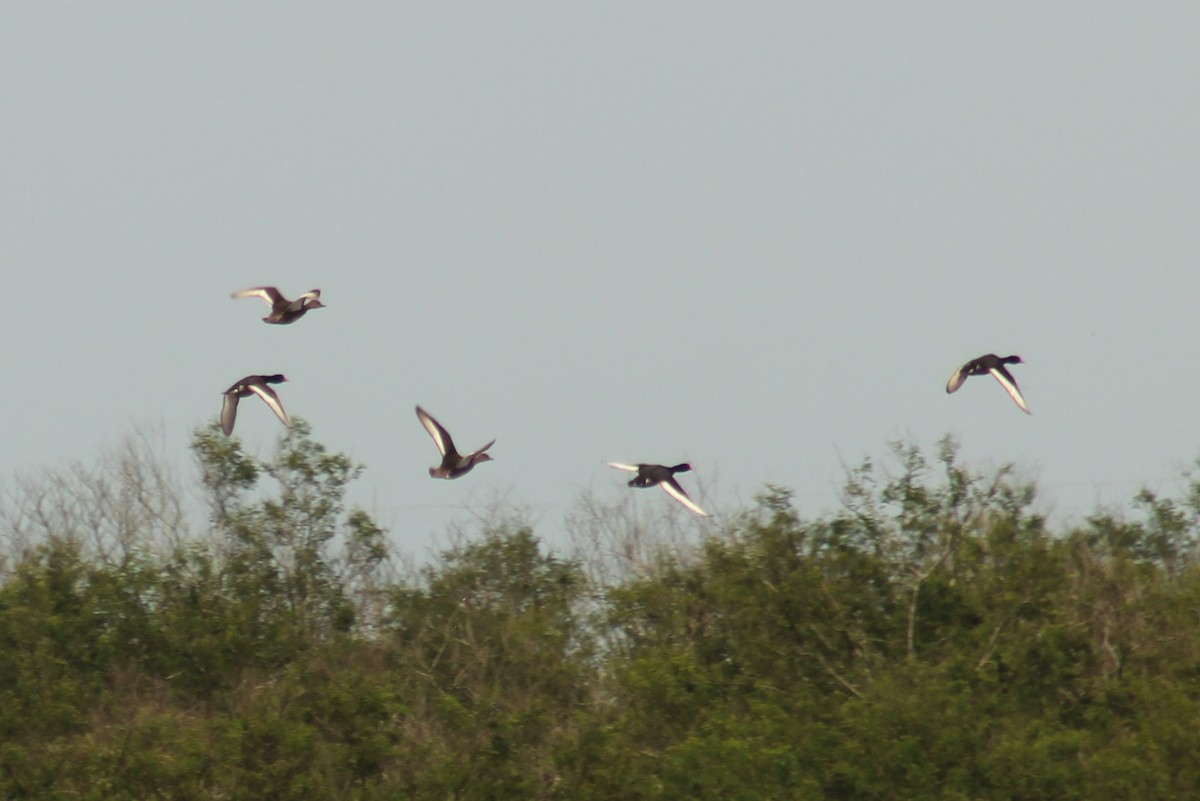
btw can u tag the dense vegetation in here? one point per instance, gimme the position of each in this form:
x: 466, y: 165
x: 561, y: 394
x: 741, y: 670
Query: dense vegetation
x: 932, y: 639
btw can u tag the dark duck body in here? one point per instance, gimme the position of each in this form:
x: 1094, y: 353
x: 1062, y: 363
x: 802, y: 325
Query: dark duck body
x: 995, y: 366
x: 252, y: 385
x: 283, y: 311
x: 453, y: 463
x: 657, y: 475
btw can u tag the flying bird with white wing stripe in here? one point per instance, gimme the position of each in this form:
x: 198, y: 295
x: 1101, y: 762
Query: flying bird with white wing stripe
x: 252, y: 385
x: 993, y: 364
x: 283, y: 311
x: 453, y: 463
x: 652, y: 475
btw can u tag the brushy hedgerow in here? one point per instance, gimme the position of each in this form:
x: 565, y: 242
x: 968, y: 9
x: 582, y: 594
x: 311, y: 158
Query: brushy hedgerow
x: 930, y: 639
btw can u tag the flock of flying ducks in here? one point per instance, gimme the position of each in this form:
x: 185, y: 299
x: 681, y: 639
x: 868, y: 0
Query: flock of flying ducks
x: 456, y: 465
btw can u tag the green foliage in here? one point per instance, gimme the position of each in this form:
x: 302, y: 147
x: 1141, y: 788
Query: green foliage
x: 933, y: 639
x: 493, y: 638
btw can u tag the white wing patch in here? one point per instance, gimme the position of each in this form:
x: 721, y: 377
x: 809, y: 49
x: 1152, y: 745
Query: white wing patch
x: 271, y: 399
x: 229, y: 413
x: 956, y: 380
x: 675, y: 491
x: 434, y: 430
x: 268, y: 294
x: 632, y: 468
x: 1011, y: 388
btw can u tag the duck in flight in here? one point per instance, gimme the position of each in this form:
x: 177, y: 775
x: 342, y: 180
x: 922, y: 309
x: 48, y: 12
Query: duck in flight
x: 991, y: 363
x: 453, y: 463
x: 650, y: 475
x: 283, y: 311
x: 252, y: 385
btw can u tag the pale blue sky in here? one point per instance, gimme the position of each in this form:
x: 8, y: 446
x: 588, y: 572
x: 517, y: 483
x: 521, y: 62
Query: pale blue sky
x: 755, y: 236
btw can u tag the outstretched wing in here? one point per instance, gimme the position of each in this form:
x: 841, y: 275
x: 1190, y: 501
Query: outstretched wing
x: 1010, y: 386
x: 229, y: 413
x: 672, y: 488
x: 956, y: 380
x: 441, y: 437
x: 268, y: 293
x: 632, y: 468
x: 271, y: 399
x: 481, y: 450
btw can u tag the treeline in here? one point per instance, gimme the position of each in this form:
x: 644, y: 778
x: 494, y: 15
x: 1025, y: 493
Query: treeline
x: 932, y: 639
